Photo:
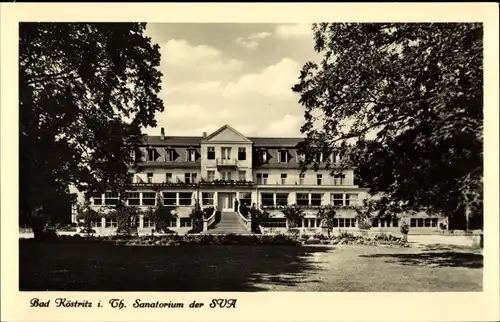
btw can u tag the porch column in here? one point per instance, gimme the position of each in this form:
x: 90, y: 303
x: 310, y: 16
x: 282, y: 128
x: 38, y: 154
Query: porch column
x: 103, y: 222
x: 216, y: 200
x: 141, y: 221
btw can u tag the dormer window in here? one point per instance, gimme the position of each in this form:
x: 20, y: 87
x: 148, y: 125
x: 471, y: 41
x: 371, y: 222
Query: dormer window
x: 169, y: 155
x: 190, y: 155
x: 151, y: 154
x: 263, y: 156
x: 319, y: 157
x: 283, y: 156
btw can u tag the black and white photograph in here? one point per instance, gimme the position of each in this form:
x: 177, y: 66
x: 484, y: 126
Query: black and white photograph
x: 321, y: 156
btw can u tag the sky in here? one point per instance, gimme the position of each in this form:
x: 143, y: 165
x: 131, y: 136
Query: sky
x: 235, y: 74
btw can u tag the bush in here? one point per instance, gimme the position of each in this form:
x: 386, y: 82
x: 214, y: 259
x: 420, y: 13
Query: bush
x: 364, y: 223
x: 245, y: 211
x: 404, y: 228
x: 320, y: 237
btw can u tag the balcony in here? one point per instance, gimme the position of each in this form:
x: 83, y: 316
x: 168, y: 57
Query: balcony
x: 227, y: 163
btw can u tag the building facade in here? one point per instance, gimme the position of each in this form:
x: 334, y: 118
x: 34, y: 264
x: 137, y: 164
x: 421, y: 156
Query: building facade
x: 225, y: 169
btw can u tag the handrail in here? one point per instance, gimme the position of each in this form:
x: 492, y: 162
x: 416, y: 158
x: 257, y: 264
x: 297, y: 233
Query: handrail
x: 246, y: 222
x: 208, y: 221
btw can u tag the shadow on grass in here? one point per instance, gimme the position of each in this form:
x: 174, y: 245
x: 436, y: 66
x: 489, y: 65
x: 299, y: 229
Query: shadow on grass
x: 105, y: 267
x: 434, y: 259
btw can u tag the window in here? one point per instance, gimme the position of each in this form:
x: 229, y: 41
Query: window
x: 148, y: 198
x: 344, y: 222
x: 111, y: 198
x: 97, y: 198
x: 301, y: 178
x: 131, y: 178
x: 337, y: 199
x: 207, y: 198
x: 263, y: 156
x: 281, y: 199
x: 274, y: 223
x: 185, y: 198
x: 316, y: 199
x: 190, y: 177
x: 301, y: 157
x: 111, y: 222
x: 133, y: 155
x: 267, y: 199
x: 211, y: 153
x: 150, y: 177
x: 395, y: 222
x: 319, y: 179
x: 246, y: 198
x: 168, y: 177
x: 319, y: 157
x: 170, y: 198
x: 242, y: 154
x: 283, y: 178
x: 185, y: 222
x: 262, y: 178
x: 423, y: 222
x: 283, y: 156
x: 151, y: 154
x: 242, y: 175
x: 96, y: 223
x: 169, y: 155
x: 133, y: 199
x: 210, y: 175
x: 190, y: 155
x: 172, y: 223
x: 226, y: 153
x: 147, y: 222
x: 226, y: 175
x: 351, y: 199
x: 338, y: 179
x: 302, y: 199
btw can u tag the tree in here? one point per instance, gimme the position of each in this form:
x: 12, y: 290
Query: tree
x: 86, y: 89
x: 161, y: 215
x: 293, y: 214
x: 327, y: 214
x: 403, y: 105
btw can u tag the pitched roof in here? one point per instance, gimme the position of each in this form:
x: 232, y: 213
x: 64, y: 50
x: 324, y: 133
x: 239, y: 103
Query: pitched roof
x: 275, y: 142
x: 172, y: 140
x: 195, y: 141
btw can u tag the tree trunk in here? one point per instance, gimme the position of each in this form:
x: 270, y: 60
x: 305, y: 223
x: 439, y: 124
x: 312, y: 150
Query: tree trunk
x: 467, y: 217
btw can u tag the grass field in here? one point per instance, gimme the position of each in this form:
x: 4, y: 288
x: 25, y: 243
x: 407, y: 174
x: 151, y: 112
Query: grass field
x: 105, y: 267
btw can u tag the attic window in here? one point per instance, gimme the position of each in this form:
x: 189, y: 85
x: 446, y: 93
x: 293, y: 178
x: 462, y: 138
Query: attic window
x: 191, y: 155
x: 151, y: 155
x: 283, y: 156
x: 263, y: 156
x: 169, y: 155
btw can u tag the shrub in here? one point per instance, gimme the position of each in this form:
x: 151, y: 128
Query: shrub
x: 208, y: 212
x: 244, y: 210
x: 364, y: 223
x: 404, y: 228
x: 294, y: 231
x: 319, y: 236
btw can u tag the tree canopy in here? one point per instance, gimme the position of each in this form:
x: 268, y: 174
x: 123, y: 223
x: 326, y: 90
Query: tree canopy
x: 403, y: 104
x: 86, y: 89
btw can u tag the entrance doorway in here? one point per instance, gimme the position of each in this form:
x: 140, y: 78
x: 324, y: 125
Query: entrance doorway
x: 226, y: 201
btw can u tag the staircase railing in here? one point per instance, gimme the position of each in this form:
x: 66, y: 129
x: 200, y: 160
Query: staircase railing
x: 209, y: 221
x: 246, y: 222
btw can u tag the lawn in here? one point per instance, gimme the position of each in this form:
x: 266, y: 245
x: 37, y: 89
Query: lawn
x: 346, y: 268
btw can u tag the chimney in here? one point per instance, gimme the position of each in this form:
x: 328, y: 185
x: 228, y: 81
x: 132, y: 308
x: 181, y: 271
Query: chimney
x: 204, y: 134
x: 162, y: 134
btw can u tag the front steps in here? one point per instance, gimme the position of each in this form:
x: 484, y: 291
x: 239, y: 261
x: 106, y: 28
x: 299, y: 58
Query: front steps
x: 229, y: 224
